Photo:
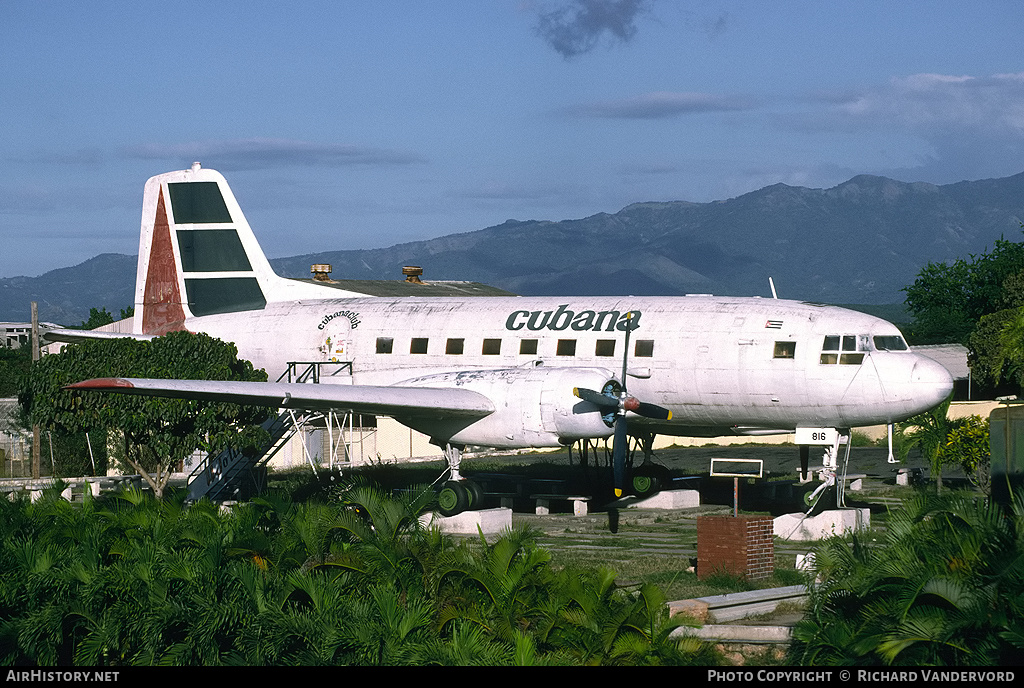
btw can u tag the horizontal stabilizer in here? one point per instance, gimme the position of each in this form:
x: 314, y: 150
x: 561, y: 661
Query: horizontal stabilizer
x: 401, y: 402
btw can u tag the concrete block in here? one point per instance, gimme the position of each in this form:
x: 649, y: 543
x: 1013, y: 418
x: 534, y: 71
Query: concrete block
x: 543, y: 504
x: 490, y: 521
x: 669, y: 499
x: 748, y: 635
x: 826, y: 524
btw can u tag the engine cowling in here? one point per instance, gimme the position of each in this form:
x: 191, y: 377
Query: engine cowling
x: 534, y: 407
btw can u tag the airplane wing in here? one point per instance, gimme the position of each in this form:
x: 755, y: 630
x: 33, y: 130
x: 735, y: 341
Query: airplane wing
x: 77, y: 336
x: 383, y: 401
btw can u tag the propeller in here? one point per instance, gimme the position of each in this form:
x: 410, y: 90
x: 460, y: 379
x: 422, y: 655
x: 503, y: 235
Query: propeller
x: 615, y: 402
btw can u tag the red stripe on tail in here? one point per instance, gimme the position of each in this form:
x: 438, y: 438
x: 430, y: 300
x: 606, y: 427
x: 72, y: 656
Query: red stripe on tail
x: 162, y: 311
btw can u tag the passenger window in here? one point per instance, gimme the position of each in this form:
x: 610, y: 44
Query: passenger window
x: 418, y: 345
x: 566, y: 347
x: 528, y: 347
x: 644, y: 348
x: 492, y: 347
x: 785, y: 350
x: 385, y: 345
x: 605, y: 347
x: 454, y: 346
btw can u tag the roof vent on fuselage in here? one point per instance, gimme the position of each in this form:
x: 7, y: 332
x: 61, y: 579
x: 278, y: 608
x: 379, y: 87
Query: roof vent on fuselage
x: 412, y: 274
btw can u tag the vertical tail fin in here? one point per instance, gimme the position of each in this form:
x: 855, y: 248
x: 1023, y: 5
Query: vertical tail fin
x: 199, y: 257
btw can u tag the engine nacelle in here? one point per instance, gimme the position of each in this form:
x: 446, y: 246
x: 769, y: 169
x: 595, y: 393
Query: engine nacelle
x: 534, y: 407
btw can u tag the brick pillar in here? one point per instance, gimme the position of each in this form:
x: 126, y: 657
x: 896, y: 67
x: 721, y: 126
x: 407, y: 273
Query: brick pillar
x: 741, y: 546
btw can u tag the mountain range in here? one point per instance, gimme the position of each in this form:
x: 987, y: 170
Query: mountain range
x: 859, y: 242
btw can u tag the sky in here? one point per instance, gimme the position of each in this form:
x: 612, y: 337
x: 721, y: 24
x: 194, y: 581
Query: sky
x: 350, y: 124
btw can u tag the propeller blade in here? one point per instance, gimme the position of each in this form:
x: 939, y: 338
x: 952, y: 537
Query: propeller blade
x: 653, y: 411
x: 646, y: 410
x: 619, y: 455
x: 596, y: 398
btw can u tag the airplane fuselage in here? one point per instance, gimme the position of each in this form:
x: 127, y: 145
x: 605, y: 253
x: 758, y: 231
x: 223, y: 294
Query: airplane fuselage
x: 721, y: 365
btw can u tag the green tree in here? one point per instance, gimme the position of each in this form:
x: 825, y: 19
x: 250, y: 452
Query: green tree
x: 158, y: 434
x: 945, y: 587
x: 76, y: 454
x: 502, y: 585
x: 948, y: 301
x: 132, y: 580
x: 968, y: 447
x: 599, y: 623
x: 929, y: 432
x: 14, y: 367
x: 985, y: 353
x: 98, y: 317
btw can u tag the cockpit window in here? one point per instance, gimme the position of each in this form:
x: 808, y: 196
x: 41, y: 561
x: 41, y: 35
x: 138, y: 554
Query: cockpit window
x: 890, y: 343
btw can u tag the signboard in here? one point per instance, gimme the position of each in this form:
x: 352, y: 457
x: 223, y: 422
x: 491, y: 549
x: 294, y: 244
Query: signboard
x: 823, y: 436
x: 737, y: 468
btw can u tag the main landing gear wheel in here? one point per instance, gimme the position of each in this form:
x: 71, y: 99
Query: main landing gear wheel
x: 459, y: 495
x: 453, y: 498
x: 649, y: 480
x: 476, y: 494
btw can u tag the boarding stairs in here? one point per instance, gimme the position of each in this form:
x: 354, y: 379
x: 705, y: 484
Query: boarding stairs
x: 231, y: 474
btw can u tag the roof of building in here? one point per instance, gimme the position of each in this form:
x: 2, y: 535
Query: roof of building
x: 952, y: 356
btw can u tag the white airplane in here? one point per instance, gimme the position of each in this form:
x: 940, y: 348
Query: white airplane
x: 510, y: 371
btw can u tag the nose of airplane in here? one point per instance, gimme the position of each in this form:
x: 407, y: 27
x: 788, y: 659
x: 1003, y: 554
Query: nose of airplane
x: 931, y: 383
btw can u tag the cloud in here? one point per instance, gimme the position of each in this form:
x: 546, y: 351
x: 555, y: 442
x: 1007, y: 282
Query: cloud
x: 930, y: 101
x: 263, y: 153
x: 974, y: 126
x: 660, y: 105
x: 577, y: 26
